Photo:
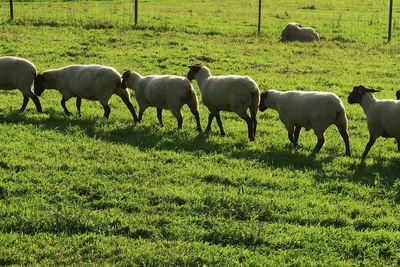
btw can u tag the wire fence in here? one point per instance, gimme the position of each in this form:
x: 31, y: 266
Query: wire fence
x: 341, y: 17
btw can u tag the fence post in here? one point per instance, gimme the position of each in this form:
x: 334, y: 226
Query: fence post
x: 11, y: 10
x: 136, y: 11
x: 390, y: 20
x: 259, y: 16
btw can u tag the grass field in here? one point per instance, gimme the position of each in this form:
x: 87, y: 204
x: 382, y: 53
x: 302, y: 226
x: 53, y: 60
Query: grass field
x: 89, y: 191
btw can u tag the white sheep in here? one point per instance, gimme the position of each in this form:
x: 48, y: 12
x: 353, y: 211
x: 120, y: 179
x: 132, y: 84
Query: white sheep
x: 227, y: 93
x: 398, y: 95
x: 163, y: 92
x: 383, y: 116
x: 295, y: 32
x: 92, y: 82
x: 19, y: 73
x: 311, y: 110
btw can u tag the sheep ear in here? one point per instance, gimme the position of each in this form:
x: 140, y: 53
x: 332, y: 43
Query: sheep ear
x: 126, y: 74
x: 195, y: 67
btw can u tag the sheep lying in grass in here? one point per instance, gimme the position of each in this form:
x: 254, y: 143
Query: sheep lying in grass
x: 311, y: 110
x: 383, y: 116
x: 92, y: 82
x: 227, y: 93
x: 19, y: 73
x: 163, y: 92
x: 398, y: 95
x: 295, y: 32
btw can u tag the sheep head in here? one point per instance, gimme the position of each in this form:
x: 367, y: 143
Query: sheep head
x: 194, y: 69
x: 39, y: 84
x: 398, y: 94
x: 125, y: 76
x: 357, y: 93
x: 263, y: 99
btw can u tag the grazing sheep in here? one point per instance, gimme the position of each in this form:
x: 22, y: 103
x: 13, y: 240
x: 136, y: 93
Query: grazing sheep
x: 19, y: 73
x: 92, y: 82
x: 227, y: 93
x: 398, y: 94
x: 311, y: 110
x: 383, y: 116
x: 163, y: 92
x: 295, y: 32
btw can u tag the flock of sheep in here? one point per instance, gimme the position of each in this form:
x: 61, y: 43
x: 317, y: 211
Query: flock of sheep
x: 232, y: 93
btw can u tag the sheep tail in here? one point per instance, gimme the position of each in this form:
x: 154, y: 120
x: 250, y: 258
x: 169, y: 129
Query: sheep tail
x: 341, y: 118
x: 191, y: 98
x: 255, y: 102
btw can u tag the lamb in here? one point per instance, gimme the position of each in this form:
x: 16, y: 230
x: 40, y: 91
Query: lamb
x: 92, y: 82
x: 19, y: 73
x: 162, y: 92
x: 311, y: 110
x: 295, y: 32
x: 227, y: 93
x: 398, y: 94
x: 383, y: 116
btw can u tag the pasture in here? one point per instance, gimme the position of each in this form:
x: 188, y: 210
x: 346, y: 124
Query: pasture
x: 89, y: 191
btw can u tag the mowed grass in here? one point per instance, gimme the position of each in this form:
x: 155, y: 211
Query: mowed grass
x: 89, y: 191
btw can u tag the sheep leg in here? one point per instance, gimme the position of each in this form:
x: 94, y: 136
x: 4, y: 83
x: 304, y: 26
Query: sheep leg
x: 398, y: 145
x: 221, y: 129
x: 125, y: 97
x: 107, y: 110
x: 343, y: 132
x: 320, y: 143
x: 368, y: 147
x: 66, y: 111
x: 249, y: 122
x: 253, y: 115
x: 196, y: 115
x: 35, y: 100
x: 210, y: 119
x: 178, y: 115
x: 297, y: 130
x: 78, y: 105
x: 159, y: 116
x: 26, y: 100
x: 290, y: 135
x: 140, y: 116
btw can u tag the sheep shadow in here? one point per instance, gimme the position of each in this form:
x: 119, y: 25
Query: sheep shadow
x: 146, y: 137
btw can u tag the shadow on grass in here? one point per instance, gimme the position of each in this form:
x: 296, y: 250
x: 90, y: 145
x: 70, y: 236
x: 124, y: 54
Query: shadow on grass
x: 147, y: 137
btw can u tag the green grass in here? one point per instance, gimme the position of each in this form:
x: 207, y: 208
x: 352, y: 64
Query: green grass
x: 88, y: 191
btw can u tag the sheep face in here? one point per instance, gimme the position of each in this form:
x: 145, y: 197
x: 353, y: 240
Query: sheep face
x: 398, y: 94
x: 125, y: 76
x: 194, y: 69
x: 39, y: 86
x: 263, y: 99
x: 357, y: 93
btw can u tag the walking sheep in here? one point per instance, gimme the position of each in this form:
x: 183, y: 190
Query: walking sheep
x: 295, y: 32
x: 227, y: 93
x: 162, y: 92
x: 383, y: 116
x: 92, y: 82
x: 311, y: 110
x: 19, y: 73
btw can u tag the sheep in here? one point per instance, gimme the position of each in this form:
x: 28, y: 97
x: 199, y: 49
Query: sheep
x: 92, y: 82
x: 398, y: 95
x: 311, y: 110
x: 162, y: 92
x: 19, y: 73
x: 295, y: 32
x: 227, y: 93
x: 383, y: 116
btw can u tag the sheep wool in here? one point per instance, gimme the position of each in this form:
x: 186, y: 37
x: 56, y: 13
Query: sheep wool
x: 163, y: 92
x: 231, y: 93
x: 309, y: 110
x: 383, y: 116
x: 19, y: 73
x: 295, y: 32
x: 92, y: 82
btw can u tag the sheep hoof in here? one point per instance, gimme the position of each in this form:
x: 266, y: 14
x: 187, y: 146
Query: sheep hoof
x: 68, y: 114
x: 198, y: 129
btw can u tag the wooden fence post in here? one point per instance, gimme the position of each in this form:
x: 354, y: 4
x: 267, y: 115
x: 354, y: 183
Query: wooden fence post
x: 11, y: 10
x: 390, y: 20
x: 136, y: 11
x: 259, y: 16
